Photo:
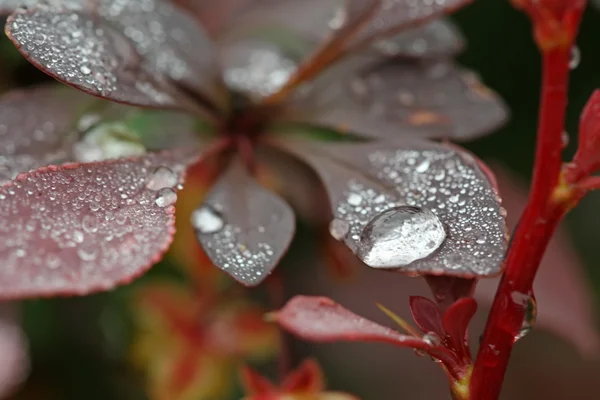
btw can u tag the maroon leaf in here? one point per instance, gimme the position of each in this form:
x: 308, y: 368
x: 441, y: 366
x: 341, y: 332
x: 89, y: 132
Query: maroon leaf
x: 126, y: 55
x: 565, y: 299
x: 412, y: 206
x: 38, y: 127
x: 426, y: 315
x: 81, y: 228
x: 587, y: 158
x: 13, y: 351
x: 440, y: 38
x: 243, y: 228
x: 456, y: 323
x: 395, y: 15
x: 320, y: 319
x: 414, y: 99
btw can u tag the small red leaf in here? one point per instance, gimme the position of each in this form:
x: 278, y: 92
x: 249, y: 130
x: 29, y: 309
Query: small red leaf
x: 243, y: 228
x: 320, y: 319
x: 427, y: 315
x: 81, y: 228
x: 456, y: 323
x: 307, y: 378
x: 254, y: 383
x: 587, y: 158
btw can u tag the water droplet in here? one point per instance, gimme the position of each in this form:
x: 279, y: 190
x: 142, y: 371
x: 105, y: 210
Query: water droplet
x: 87, y: 253
x: 207, y: 220
x: 354, y: 199
x: 85, y: 70
x: 530, y: 305
x: 338, y: 228
x: 162, y: 177
x: 423, y: 166
x: 399, y: 236
x: 432, y: 338
x: 165, y: 197
x: 90, y: 224
x: 575, y: 57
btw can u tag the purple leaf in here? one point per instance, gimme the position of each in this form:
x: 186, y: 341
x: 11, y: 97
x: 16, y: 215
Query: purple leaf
x: 81, y: 228
x: 124, y: 51
x: 427, y: 315
x: 395, y: 15
x: 320, y: 319
x: 38, y: 127
x: 14, y: 365
x: 409, y: 99
x: 243, y: 228
x: 412, y: 206
x: 440, y: 38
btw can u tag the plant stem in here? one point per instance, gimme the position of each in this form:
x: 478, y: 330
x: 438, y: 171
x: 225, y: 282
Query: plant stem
x: 539, y: 221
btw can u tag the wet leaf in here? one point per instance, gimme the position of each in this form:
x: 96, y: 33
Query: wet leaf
x: 38, y: 127
x: 81, y: 228
x: 244, y: 229
x: 412, y: 206
x: 13, y: 349
x: 409, y: 99
x: 395, y: 15
x: 439, y: 38
x: 127, y: 55
x: 320, y: 319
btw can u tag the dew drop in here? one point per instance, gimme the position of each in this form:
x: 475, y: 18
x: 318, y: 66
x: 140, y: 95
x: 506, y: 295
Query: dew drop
x: 87, y: 253
x: 399, y: 236
x: 207, y: 220
x: 162, y: 177
x: 354, y: 199
x: 530, y: 317
x: 165, y: 197
x: 575, y: 59
x: 338, y: 228
x: 432, y: 339
x: 90, y: 224
x: 423, y: 166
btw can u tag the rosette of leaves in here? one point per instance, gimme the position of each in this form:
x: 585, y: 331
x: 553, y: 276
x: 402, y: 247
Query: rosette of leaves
x: 356, y: 90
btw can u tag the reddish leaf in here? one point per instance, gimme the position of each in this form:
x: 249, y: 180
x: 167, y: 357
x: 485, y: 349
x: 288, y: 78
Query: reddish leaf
x: 82, y: 228
x: 124, y: 56
x: 244, y: 229
x: 456, y: 323
x: 457, y: 228
x: 563, y: 293
x: 308, y: 378
x: 408, y: 99
x: 37, y: 127
x: 395, y: 15
x: 426, y: 315
x: 439, y: 38
x: 320, y: 319
x: 14, y: 365
x: 587, y: 158
x: 254, y: 383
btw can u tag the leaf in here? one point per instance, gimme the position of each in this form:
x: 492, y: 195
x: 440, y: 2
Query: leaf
x: 426, y: 315
x: 456, y: 323
x: 408, y: 99
x: 82, y: 228
x: 458, y: 227
x: 244, y: 229
x: 37, y: 127
x: 395, y: 15
x: 129, y: 55
x: 254, y: 383
x: 14, y: 367
x: 570, y: 315
x: 320, y: 319
x: 439, y: 38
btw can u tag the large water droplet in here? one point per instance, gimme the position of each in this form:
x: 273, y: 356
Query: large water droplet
x: 207, y: 220
x: 162, y: 177
x: 165, y: 197
x: 399, y: 236
x: 530, y: 305
x: 338, y: 228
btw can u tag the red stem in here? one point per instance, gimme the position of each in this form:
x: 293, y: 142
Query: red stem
x: 539, y: 220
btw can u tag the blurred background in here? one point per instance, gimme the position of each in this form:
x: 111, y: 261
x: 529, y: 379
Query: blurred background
x: 81, y: 348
